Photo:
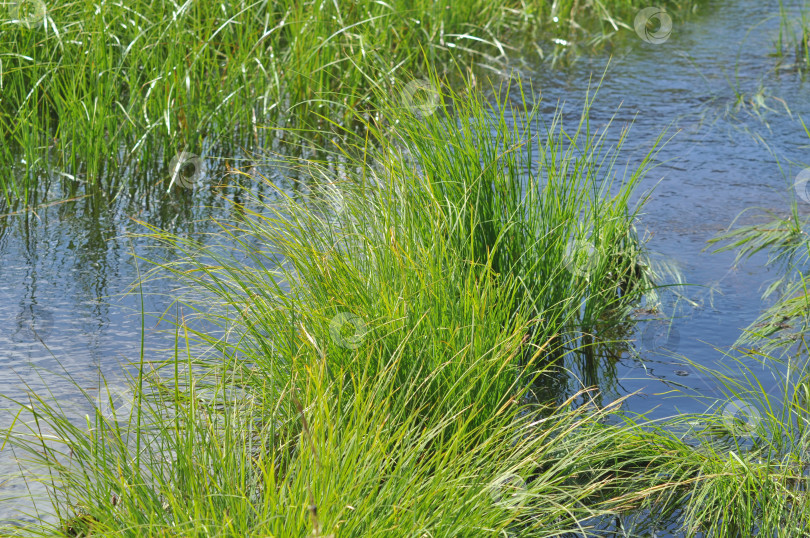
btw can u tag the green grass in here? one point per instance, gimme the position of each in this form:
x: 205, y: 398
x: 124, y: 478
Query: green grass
x: 783, y: 326
x: 794, y: 33
x: 451, y: 253
x: 93, y: 93
x: 474, y: 244
x: 446, y: 243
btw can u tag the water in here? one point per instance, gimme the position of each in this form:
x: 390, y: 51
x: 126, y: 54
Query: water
x: 66, y: 270
x: 720, y: 162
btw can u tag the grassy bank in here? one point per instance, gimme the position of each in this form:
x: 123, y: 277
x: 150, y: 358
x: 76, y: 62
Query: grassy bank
x: 95, y: 92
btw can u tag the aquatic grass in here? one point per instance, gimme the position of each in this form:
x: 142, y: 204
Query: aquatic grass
x: 783, y: 237
x: 750, y: 451
x: 334, y: 462
x: 754, y: 438
x: 408, y: 326
x: 372, y: 366
x: 91, y: 90
x: 375, y: 254
x: 109, y: 84
x: 571, y: 29
x: 794, y: 32
x: 449, y: 202
x: 737, y: 469
x: 545, y: 202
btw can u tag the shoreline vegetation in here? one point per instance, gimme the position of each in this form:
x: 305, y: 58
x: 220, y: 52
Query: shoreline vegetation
x: 91, y: 94
x: 379, y: 352
x: 375, y: 358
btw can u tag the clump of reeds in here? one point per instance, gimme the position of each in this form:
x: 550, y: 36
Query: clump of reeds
x: 386, y: 345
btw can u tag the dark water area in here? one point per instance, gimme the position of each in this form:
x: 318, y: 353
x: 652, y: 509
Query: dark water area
x: 66, y: 271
